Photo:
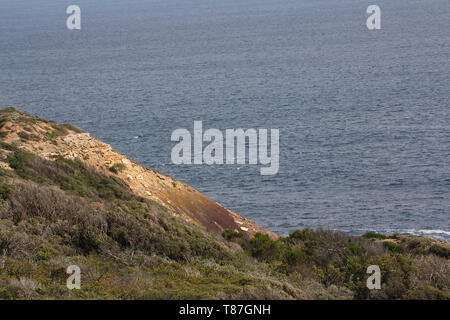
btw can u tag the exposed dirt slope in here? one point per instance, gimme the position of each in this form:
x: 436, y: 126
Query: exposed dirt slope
x: 50, y: 140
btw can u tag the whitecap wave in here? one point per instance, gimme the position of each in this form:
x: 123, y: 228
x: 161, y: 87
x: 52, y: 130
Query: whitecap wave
x: 434, y: 233
x: 437, y: 231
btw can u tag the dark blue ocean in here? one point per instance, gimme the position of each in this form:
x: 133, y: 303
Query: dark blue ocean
x: 364, y: 116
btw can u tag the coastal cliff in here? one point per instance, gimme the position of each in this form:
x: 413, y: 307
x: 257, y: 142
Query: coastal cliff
x: 68, y: 199
x: 50, y: 141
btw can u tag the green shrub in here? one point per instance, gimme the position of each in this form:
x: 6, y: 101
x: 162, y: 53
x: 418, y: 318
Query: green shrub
x: 292, y: 256
x: 262, y: 246
x: 5, y: 189
x: 28, y: 136
x: 374, y: 235
x: 354, y: 250
x: 393, y: 247
x: 20, y: 160
x: 229, y: 234
x: 18, y: 268
x: 440, y: 251
x: 58, y: 131
x: 8, y: 146
x: 71, y: 127
x: 432, y: 293
x: 116, y: 168
x: 299, y: 235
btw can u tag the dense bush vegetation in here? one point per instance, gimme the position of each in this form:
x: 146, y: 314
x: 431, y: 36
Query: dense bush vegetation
x: 336, y: 259
x: 57, y: 213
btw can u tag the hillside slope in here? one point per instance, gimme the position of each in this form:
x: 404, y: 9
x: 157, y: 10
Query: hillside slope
x: 69, y: 199
x: 51, y: 141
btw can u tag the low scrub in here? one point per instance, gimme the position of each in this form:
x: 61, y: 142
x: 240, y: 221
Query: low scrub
x: 58, y: 213
x: 337, y: 259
